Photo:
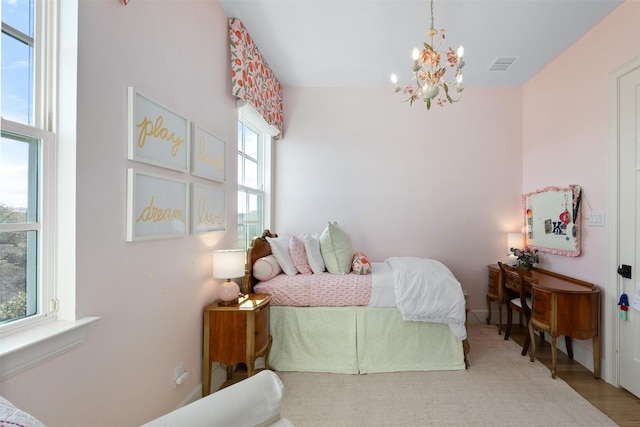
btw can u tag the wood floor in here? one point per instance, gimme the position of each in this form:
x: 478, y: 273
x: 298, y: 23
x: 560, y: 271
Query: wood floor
x: 619, y: 405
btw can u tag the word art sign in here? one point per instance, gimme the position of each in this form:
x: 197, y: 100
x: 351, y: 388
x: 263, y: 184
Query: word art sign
x: 208, y: 209
x: 157, y: 207
x: 157, y: 135
x: 208, y: 155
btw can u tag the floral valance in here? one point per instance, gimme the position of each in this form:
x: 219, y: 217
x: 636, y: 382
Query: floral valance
x: 252, y: 80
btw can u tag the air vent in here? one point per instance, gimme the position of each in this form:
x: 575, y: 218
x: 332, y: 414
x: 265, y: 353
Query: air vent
x: 502, y: 63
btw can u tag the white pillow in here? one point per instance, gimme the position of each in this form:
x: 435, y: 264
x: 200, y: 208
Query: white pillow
x: 280, y: 248
x: 335, y: 246
x: 266, y: 268
x: 314, y: 256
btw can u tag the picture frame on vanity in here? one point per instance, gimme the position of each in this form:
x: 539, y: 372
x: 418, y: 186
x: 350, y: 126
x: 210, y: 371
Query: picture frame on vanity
x: 208, y: 158
x: 208, y: 211
x: 156, y: 135
x: 553, y: 219
x: 157, y: 206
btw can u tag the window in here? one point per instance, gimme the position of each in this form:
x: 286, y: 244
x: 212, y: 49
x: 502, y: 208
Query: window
x: 27, y: 164
x: 254, y: 171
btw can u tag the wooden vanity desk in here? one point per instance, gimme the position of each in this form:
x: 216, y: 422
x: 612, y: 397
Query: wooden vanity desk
x: 565, y: 306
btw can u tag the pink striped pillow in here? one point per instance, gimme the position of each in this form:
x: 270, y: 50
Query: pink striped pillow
x: 299, y: 255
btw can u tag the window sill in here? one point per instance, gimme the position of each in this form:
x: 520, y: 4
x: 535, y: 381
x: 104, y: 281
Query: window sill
x: 25, y: 349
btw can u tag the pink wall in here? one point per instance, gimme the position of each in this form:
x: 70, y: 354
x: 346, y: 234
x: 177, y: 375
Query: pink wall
x: 401, y: 180
x: 150, y: 294
x: 565, y: 129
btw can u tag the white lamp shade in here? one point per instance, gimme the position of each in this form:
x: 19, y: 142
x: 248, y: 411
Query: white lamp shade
x: 228, y: 263
x: 515, y: 240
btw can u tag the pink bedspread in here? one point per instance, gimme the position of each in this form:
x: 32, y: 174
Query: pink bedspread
x: 318, y: 290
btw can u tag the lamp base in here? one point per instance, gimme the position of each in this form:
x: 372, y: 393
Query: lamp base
x: 225, y: 303
x: 228, y: 293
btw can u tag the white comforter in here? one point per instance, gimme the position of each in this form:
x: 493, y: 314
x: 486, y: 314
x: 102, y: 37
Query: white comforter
x: 427, y: 291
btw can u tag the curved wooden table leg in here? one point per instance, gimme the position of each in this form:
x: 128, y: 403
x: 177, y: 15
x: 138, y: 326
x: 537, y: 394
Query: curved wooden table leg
x: 532, y: 348
x: 488, y: 310
x: 499, y: 317
x: 567, y: 342
x: 596, y: 356
x: 553, y: 356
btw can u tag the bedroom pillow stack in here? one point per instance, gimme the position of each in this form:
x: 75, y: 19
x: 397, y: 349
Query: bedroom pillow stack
x: 330, y: 251
x: 336, y: 249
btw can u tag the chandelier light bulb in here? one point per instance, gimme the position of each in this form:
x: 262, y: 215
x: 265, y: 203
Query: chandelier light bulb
x: 394, y: 79
x: 415, y: 54
x: 460, y: 51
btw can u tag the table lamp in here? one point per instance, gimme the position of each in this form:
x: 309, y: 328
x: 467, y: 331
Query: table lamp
x: 514, y: 240
x: 228, y: 264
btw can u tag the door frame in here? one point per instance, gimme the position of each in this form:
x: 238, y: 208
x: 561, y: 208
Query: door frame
x: 610, y: 327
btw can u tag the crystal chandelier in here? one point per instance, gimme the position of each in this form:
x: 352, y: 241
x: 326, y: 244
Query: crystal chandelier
x: 430, y: 73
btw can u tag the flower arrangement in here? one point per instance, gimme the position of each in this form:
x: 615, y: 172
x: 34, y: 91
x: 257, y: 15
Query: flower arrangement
x: 526, y: 257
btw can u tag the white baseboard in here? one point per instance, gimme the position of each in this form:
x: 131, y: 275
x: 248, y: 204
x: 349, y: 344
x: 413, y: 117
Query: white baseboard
x: 196, y: 394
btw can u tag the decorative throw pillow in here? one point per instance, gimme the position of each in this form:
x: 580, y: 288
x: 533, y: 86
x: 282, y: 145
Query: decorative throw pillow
x: 299, y: 255
x: 266, y: 268
x: 314, y: 256
x: 280, y: 249
x: 360, y: 264
x: 335, y: 246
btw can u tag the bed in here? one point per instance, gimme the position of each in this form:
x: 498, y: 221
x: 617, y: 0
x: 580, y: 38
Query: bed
x: 328, y: 334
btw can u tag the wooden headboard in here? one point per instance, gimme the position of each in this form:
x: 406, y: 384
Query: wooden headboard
x: 259, y: 248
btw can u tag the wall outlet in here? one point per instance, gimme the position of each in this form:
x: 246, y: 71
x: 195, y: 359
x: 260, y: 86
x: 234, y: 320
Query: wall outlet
x: 179, y: 370
x: 596, y: 219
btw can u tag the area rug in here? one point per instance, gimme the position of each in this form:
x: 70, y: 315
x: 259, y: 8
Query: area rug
x: 501, y: 388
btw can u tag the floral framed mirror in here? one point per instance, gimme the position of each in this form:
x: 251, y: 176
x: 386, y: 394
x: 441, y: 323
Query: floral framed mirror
x: 552, y: 220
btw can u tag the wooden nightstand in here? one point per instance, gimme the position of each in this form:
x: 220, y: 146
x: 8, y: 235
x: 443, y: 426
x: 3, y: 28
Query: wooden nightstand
x: 494, y: 293
x: 236, y: 333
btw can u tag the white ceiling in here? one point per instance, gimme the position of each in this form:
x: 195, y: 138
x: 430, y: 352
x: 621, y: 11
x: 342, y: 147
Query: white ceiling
x: 346, y: 43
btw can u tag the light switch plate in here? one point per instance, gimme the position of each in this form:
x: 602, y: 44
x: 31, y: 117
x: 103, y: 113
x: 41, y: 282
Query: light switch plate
x: 596, y: 219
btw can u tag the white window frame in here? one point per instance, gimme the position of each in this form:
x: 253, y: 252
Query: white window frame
x: 28, y: 343
x: 45, y: 42
x: 44, y: 227
x: 248, y: 115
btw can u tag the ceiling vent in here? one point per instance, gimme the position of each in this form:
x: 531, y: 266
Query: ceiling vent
x: 502, y: 63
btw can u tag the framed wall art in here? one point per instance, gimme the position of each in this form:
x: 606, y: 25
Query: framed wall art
x: 157, y: 207
x: 157, y: 135
x: 208, y: 211
x: 552, y: 219
x: 208, y: 158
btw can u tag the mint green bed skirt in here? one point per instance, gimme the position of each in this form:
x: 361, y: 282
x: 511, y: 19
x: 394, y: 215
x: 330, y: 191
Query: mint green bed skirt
x: 359, y: 340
